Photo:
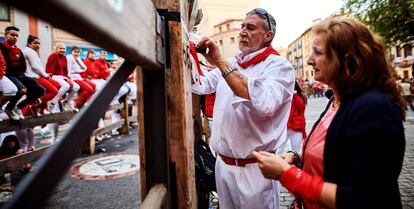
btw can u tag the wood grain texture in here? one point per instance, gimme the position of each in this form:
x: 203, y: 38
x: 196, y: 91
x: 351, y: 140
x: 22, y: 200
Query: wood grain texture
x: 126, y: 28
x: 179, y: 117
x: 155, y: 198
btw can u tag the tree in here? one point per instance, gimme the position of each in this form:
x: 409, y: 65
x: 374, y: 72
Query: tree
x: 387, y: 18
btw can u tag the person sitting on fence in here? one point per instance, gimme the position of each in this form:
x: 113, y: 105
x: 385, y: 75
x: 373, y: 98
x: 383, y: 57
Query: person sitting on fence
x: 57, y: 66
x: 75, y: 68
x: 35, y: 69
x: 15, y: 70
x: 7, y: 87
x: 26, y: 139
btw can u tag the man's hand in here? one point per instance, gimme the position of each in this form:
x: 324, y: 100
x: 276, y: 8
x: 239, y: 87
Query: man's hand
x: 213, y: 55
x: 288, y: 157
x: 271, y: 165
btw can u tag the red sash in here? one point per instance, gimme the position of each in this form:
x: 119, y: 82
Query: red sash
x: 258, y: 58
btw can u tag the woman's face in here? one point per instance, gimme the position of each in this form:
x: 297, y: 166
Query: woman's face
x: 11, y: 144
x: 322, y: 68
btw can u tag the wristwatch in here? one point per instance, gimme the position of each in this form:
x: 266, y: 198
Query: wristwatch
x: 228, y: 71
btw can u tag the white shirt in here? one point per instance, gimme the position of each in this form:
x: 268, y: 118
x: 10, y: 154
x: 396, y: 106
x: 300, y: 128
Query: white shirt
x: 74, y: 68
x: 241, y: 126
x: 34, y: 66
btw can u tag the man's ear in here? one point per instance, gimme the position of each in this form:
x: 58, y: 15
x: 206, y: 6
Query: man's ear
x: 268, y: 36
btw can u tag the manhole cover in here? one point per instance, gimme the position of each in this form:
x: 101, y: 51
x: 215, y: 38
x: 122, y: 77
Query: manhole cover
x: 107, y: 167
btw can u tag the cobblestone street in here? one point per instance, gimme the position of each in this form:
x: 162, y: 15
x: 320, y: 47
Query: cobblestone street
x: 316, y: 106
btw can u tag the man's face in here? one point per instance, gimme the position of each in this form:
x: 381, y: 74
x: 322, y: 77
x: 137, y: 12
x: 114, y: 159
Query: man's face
x: 61, y: 49
x: 11, y: 37
x: 253, y: 35
x: 103, y: 55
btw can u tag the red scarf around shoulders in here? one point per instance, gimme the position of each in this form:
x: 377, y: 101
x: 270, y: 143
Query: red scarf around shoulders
x: 258, y: 58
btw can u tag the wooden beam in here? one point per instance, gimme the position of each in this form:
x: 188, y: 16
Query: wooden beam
x: 155, y: 198
x: 141, y: 133
x: 17, y: 162
x: 180, y: 120
x: 110, y: 127
x: 30, y: 122
x: 126, y: 28
x: 125, y: 114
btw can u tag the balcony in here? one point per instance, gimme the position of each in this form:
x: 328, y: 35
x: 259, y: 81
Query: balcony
x: 403, y: 62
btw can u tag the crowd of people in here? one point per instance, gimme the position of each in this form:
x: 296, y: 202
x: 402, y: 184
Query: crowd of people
x: 259, y: 106
x: 64, y: 83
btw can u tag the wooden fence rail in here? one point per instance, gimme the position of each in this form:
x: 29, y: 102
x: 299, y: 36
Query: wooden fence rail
x: 155, y: 197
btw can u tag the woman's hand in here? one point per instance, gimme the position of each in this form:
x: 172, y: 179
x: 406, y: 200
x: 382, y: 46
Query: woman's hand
x: 288, y: 157
x: 271, y: 165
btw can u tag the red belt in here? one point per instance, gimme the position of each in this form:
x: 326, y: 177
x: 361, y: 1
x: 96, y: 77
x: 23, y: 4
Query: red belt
x: 237, y: 162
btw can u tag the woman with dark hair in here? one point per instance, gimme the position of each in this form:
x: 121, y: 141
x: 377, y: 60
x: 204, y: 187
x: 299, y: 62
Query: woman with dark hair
x: 297, y: 123
x: 10, y: 147
x: 354, y: 153
x: 35, y: 69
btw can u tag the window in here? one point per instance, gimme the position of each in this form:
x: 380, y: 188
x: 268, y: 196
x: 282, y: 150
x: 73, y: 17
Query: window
x: 408, y: 50
x: 221, y: 42
x: 228, y: 26
x: 397, y: 48
x: 220, y: 29
x: 232, y: 40
x: 4, y: 12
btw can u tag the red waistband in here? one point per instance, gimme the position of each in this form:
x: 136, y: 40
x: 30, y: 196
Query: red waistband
x: 238, y: 162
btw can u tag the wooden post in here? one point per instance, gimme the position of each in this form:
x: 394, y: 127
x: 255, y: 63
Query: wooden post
x: 125, y: 115
x: 179, y: 110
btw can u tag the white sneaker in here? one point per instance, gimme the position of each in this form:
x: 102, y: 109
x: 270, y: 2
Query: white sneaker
x: 114, y: 132
x: 99, y: 138
x: 19, y: 112
x: 51, y: 106
x: 12, y: 115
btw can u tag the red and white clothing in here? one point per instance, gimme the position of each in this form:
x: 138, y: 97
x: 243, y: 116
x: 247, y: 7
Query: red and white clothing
x: 75, y: 68
x: 7, y: 87
x: 57, y: 65
x: 241, y: 126
x: 296, y: 123
x: 35, y: 69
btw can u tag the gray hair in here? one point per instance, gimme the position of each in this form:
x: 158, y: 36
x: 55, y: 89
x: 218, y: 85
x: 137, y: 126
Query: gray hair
x: 270, y: 20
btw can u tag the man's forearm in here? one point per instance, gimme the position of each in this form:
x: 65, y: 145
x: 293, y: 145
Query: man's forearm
x: 236, y: 81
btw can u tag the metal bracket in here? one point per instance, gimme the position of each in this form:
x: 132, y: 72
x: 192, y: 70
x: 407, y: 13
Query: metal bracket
x: 169, y: 16
x: 163, y: 17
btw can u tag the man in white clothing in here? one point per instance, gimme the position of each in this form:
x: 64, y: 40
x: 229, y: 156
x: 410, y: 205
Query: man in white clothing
x: 253, y: 96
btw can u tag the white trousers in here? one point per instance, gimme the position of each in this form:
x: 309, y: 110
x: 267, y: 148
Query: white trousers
x: 245, y: 187
x: 7, y: 87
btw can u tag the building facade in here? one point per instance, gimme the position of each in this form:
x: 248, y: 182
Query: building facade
x: 401, y: 56
x: 298, y: 52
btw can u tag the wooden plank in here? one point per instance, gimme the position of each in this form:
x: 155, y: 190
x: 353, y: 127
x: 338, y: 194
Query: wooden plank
x: 180, y: 120
x: 155, y: 198
x: 16, y: 162
x: 126, y: 28
x: 141, y: 133
x: 30, y: 122
x: 107, y: 128
x: 125, y: 113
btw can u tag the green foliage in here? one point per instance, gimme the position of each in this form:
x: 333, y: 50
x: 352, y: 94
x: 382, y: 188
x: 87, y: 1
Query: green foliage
x: 387, y: 18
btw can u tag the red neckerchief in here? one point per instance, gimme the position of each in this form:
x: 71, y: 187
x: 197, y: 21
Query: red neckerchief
x: 258, y: 58
x: 14, y: 52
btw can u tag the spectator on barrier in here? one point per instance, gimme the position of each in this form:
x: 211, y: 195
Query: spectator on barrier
x: 297, y: 123
x: 101, y: 71
x: 35, y: 70
x: 75, y: 68
x: 355, y: 151
x: 7, y: 87
x: 15, y: 71
x: 90, y: 72
x: 253, y: 95
x: 57, y: 66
